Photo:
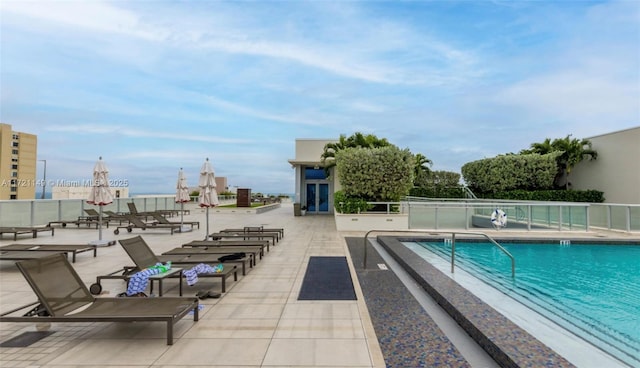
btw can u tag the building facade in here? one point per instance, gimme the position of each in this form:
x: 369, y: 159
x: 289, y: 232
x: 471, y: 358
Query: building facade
x: 616, y: 171
x: 18, y: 158
x: 82, y: 192
x: 313, y: 188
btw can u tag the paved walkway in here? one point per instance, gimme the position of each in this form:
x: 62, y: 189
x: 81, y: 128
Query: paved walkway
x: 258, y: 322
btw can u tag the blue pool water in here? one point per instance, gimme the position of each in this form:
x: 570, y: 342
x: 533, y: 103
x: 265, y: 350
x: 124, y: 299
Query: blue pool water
x: 592, y: 290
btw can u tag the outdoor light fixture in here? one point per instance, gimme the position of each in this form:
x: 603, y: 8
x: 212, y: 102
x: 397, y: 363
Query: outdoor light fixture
x: 44, y: 178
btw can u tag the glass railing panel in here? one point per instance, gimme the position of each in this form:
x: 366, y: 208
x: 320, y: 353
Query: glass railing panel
x: 619, y: 218
x: 72, y: 209
x: 422, y: 217
x: 453, y: 218
x: 15, y: 213
x: 598, y: 216
x: 44, y: 211
x: 541, y: 216
x: 574, y: 217
x: 519, y: 213
x: 635, y: 218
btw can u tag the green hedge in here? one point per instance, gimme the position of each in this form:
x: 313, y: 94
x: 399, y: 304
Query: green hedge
x: 511, y: 172
x: 591, y: 196
x: 345, y: 204
x: 437, y: 192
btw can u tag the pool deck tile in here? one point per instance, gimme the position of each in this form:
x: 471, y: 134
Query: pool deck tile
x: 259, y: 322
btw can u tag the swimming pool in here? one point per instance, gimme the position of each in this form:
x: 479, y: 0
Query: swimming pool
x: 592, y: 290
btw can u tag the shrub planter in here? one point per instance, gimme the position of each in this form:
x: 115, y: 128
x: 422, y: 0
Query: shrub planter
x: 366, y: 222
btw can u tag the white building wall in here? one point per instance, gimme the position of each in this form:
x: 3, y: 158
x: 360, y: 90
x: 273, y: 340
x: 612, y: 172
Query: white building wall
x: 311, y: 149
x: 616, y: 171
x: 82, y: 192
x: 308, y: 152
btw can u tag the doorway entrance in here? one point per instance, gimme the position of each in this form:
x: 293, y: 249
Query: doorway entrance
x: 317, y: 195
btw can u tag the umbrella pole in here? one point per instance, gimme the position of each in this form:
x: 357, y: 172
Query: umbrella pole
x: 206, y: 236
x: 100, y: 224
x: 181, y: 214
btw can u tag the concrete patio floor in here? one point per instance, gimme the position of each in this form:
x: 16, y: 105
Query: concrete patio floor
x: 258, y: 322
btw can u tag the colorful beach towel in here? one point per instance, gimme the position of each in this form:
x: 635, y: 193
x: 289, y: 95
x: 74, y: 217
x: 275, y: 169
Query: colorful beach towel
x: 139, y: 281
x: 192, y: 274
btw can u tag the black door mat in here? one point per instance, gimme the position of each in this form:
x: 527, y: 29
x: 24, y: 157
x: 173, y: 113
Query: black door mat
x: 327, y: 278
x: 25, y: 339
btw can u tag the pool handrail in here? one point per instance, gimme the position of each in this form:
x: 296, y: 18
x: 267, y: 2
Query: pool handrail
x: 453, y: 244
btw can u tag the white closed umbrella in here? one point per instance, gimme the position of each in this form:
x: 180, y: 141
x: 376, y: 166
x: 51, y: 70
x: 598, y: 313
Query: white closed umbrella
x: 208, y: 196
x: 100, y: 195
x: 182, y: 197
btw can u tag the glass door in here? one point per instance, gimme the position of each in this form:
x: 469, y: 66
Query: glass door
x: 311, y: 197
x: 317, y: 197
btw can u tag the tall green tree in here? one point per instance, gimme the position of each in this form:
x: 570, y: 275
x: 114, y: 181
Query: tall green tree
x: 572, y: 151
x: 328, y: 157
x: 422, y: 169
x: 376, y: 174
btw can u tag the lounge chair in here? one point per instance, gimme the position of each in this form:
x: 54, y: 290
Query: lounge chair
x: 34, y: 230
x: 256, y: 229
x: 111, y: 216
x: 63, y: 297
x: 21, y: 255
x: 257, y: 246
x: 163, y: 220
x: 73, y: 249
x: 137, y: 223
x: 94, y: 215
x: 134, y: 211
x: 82, y: 220
x: 213, y: 255
x: 273, y: 236
x: 143, y: 257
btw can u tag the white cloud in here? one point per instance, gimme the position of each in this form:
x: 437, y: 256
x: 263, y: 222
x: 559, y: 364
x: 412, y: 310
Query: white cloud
x: 92, y: 15
x: 124, y: 131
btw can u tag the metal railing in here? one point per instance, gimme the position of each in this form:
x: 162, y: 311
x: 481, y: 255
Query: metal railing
x: 561, y: 216
x: 42, y: 211
x: 453, y: 244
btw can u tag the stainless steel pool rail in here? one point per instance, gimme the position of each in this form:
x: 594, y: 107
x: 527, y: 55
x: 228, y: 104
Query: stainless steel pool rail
x: 453, y: 244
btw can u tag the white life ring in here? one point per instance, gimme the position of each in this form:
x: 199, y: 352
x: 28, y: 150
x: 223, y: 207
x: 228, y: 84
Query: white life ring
x: 498, y: 218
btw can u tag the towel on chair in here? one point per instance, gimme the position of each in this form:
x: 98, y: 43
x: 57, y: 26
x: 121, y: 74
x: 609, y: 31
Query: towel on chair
x: 192, y: 274
x: 139, y: 281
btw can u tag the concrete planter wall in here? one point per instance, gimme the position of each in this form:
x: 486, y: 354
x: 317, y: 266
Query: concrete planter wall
x: 366, y: 222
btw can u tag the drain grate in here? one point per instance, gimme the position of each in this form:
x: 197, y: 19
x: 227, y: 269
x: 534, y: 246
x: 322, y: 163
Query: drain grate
x: 25, y: 339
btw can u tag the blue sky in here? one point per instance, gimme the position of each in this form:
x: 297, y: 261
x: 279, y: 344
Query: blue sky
x: 152, y: 86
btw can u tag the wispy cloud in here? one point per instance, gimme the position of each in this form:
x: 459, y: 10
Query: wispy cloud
x: 154, y: 86
x: 138, y: 133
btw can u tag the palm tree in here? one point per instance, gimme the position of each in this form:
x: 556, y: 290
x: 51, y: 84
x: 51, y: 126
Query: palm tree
x: 421, y: 169
x: 540, y: 148
x: 328, y: 157
x: 573, y: 152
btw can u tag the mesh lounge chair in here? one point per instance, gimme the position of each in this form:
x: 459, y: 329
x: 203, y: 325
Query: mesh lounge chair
x: 143, y: 257
x: 163, y: 220
x: 137, y: 223
x: 74, y: 249
x: 82, y: 220
x: 107, y: 216
x: 273, y: 237
x: 63, y: 297
x: 256, y: 229
x: 33, y: 230
x: 134, y: 211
